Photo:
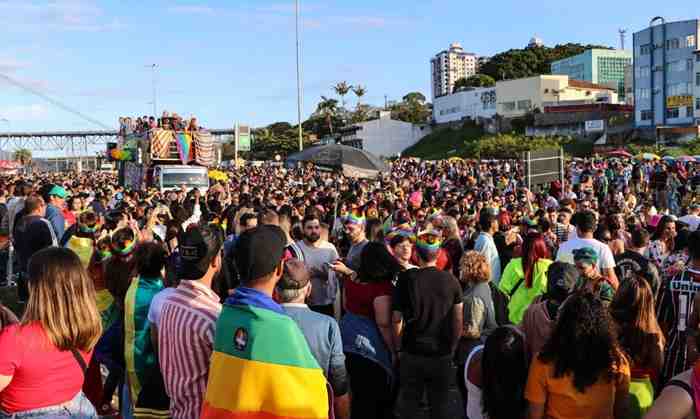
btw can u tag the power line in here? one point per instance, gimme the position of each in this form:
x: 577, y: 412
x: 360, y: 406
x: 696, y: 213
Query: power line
x: 53, y: 101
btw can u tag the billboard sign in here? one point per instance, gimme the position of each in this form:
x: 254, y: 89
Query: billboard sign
x: 543, y: 166
x: 596, y: 125
x: 243, y: 137
x: 679, y: 101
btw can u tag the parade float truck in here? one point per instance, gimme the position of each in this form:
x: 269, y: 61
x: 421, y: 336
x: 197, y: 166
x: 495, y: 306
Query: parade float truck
x: 164, y: 159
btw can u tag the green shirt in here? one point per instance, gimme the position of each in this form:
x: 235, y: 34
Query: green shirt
x: 523, y: 296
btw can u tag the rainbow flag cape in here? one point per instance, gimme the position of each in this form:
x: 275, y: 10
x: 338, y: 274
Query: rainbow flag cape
x: 138, y: 350
x: 262, y: 367
x: 184, y: 146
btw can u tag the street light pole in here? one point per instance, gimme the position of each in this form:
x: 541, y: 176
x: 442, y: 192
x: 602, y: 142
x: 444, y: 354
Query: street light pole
x: 301, y: 142
x: 153, y: 86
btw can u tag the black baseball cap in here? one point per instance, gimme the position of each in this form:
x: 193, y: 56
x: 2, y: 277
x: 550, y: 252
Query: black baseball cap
x: 259, y: 251
x: 197, y: 244
x: 561, y: 280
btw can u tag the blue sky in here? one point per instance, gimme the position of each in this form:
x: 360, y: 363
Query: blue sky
x: 234, y: 60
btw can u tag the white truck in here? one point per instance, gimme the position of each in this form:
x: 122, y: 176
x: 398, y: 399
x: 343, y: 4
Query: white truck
x: 167, y: 177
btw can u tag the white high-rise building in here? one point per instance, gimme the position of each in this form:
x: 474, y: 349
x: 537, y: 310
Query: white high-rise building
x: 449, y: 66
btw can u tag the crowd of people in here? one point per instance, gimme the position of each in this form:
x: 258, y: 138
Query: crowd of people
x: 145, y: 123
x: 302, y: 293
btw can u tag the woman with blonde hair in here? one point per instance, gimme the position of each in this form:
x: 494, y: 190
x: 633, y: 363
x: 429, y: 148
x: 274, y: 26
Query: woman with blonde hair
x: 479, y: 311
x: 43, y: 358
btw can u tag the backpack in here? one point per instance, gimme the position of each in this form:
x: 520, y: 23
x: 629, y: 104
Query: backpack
x: 500, y: 304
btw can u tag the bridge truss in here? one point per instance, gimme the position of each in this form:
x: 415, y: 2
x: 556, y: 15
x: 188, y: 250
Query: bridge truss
x: 74, y: 141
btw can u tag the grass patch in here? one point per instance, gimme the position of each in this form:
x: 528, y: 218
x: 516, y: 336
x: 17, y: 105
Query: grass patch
x: 443, y: 143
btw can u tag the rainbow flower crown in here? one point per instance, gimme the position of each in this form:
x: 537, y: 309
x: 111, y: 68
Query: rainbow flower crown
x: 355, y: 217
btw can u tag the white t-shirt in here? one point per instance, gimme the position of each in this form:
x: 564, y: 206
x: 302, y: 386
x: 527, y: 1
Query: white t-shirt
x: 156, y: 308
x: 692, y: 220
x: 605, y: 256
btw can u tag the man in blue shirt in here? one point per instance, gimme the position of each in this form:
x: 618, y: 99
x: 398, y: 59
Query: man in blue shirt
x: 488, y: 222
x: 321, y: 332
x: 56, y: 199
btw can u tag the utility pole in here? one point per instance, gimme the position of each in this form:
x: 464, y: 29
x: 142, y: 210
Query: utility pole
x: 153, y: 86
x: 301, y: 140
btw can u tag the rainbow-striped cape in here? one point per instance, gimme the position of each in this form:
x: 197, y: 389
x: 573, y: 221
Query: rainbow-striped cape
x: 262, y: 367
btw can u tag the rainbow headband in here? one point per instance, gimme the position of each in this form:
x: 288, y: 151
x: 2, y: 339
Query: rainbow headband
x: 353, y: 218
x: 401, y: 232
x: 428, y: 242
x: 128, y: 247
x: 88, y: 229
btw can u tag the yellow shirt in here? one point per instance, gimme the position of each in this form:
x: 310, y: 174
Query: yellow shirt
x: 563, y: 401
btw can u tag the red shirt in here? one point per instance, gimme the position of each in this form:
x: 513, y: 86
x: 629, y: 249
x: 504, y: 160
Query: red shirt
x: 41, y: 374
x: 360, y: 296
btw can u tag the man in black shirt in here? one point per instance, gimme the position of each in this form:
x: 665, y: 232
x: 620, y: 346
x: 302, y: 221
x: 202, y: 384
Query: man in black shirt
x: 633, y: 260
x: 428, y: 318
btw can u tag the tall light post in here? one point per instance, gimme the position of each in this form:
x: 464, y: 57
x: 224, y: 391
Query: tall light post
x: 153, y: 87
x: 301, y: 141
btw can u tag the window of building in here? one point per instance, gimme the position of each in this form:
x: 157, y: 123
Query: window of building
x: 524, y: 105
x: 672, y: 43
x: 690, y: 41
x: 697, y: 79
x: 689, y: 64
x: 672, y: 113
x: 508, y: 106
x: 697, y: 104
x: 643, y: 71
x: 645, y: 49
x: 689, y: 111
x: 647, y: 115
x: 642, y: 93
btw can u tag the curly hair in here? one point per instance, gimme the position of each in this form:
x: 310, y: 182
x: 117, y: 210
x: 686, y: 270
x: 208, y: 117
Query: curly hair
x: 474, y: 267
x: 583, y: 342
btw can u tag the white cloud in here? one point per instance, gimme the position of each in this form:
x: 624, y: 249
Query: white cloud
x: 192, y: 9
x: 32, y: 112
x: 57, y: 15
x: 10, y: 65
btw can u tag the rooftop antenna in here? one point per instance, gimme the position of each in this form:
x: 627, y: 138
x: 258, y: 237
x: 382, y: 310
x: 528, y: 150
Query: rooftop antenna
x: 622, y: 38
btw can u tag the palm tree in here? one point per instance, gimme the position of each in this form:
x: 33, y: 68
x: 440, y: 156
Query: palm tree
x: 328, y: 107
x: 359, y: 92
x: 342, y: 89
x: 24, y: 156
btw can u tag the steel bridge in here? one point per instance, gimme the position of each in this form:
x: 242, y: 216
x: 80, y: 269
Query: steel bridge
x: 72, y: 140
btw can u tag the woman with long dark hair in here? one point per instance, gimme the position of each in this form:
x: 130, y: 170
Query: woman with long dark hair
x: 366, y: 328
x: 640, y: 337
x: 581, y: 372
x: 495, y: 375
x: 663, y: 241
x: 525, y: 278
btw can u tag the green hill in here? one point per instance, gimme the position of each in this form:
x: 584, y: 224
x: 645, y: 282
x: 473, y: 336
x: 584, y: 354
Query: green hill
x: 444, y: 143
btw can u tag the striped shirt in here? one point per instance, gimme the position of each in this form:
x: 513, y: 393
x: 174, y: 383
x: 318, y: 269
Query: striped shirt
x: 185, y: 344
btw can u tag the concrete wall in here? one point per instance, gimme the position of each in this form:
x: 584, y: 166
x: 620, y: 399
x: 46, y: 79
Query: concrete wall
x: 474, y: 104
x: 387, y: 137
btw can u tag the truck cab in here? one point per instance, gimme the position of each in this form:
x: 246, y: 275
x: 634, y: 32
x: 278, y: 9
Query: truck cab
x: 168, y: 177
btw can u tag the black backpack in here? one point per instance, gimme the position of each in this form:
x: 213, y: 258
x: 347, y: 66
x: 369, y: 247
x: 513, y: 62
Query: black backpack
x: 500, y: 304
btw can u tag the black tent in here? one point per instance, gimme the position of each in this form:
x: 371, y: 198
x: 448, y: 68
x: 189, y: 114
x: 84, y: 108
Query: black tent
x: 353, y: 161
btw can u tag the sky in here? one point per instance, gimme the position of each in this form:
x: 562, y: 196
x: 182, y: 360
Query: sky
x: 230, y: 61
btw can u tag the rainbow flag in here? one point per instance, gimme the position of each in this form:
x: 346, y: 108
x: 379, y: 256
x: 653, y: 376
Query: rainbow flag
x: 184, y: 146
x: 262, y: 368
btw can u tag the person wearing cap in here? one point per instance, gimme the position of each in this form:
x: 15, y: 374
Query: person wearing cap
x: 693, y: 217
x: 186, y: 324
x: 538, y: 319
x: 428, y: 320
x: 321, y: 332
x: 586, y: 225
x: 591, y: 280
x: 56, y: 200
x: 261, y: 363
x: 485, y: 244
